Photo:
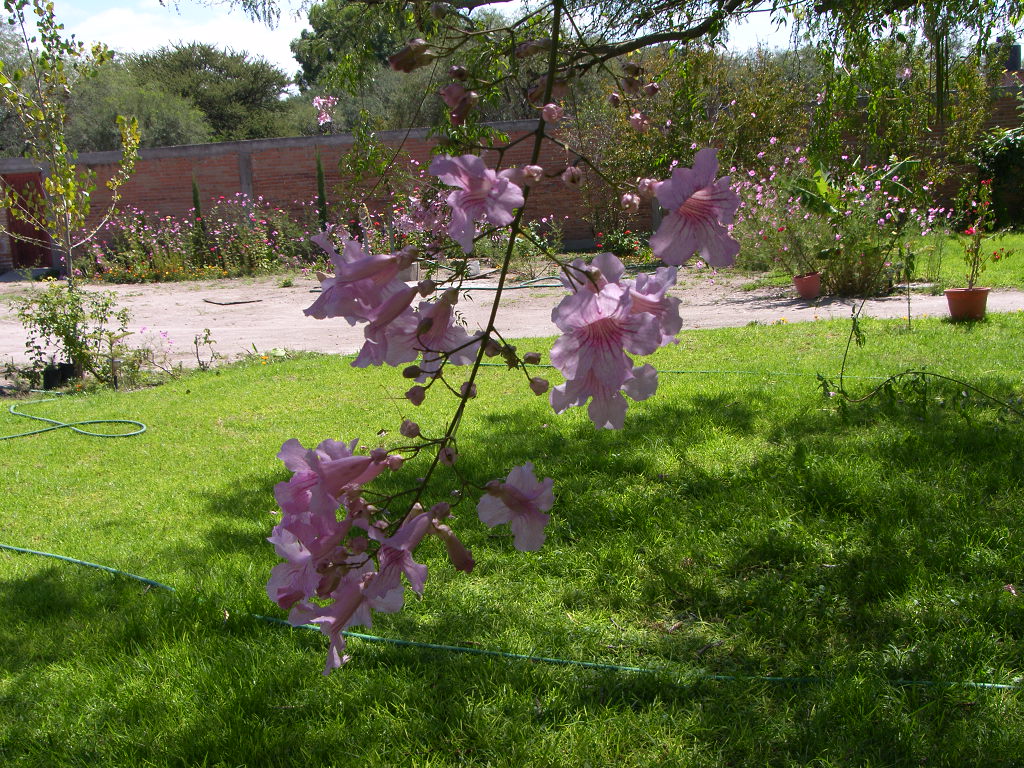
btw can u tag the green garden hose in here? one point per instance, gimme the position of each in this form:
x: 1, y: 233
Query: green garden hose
x: 693, y: 676
x: 74, y: 426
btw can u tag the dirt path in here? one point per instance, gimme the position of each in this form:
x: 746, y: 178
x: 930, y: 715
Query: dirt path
x: 170, y: 315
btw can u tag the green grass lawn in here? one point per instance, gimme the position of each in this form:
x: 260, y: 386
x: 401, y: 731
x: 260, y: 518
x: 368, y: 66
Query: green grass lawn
x: 741, y: 525
x: 951, y: 272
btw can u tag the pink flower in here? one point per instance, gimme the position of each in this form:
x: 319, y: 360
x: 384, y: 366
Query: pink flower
x: 602, y: 319
x: 521, y: 501
x: 572, y: 175
x: 361, y: 281
x: 638, y: 121
x: 598, y: 330
x: 414, y: 55
x: 484, y: 195
x: 395, y: 558
x: 350, y: 607
x: 525, y: 176
x: 552, y: 113
x: 699, y: 209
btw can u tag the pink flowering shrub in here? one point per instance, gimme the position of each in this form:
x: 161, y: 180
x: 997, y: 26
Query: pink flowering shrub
x: 852, y: 224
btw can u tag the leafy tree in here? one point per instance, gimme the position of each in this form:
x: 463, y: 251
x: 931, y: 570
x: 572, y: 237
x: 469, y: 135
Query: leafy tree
x: 164, y: 118
x: 13, y: 57
x: 348, y: 42
x: 240, y: 96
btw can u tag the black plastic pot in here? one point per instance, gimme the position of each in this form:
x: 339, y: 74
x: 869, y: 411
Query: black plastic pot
x: 51, y: 377
x: 67, y: 371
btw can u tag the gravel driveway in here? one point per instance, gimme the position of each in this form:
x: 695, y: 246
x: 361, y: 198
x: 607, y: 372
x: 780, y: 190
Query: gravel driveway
x: 271, y: 315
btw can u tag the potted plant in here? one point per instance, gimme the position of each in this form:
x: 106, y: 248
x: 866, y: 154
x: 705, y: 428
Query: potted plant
x: 970, y: 303
x: 796, y: 254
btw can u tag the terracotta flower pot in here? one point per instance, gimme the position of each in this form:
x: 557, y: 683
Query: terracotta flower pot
x: 808, y: 286
x: 967, y: 303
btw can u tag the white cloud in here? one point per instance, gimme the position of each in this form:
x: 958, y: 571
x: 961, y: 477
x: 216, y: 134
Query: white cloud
x: 143, y: 25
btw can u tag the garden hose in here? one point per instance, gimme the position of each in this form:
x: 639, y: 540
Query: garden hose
x: 74, y: 426
x: 693, y: 676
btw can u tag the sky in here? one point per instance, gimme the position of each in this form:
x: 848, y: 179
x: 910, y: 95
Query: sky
x: 133, y: 26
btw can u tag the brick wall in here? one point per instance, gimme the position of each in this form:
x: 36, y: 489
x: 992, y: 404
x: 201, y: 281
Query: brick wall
x: 283, y: 172
x: 6, y: 255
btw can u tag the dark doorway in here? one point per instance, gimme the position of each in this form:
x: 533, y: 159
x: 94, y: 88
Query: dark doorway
x: 30, y: 247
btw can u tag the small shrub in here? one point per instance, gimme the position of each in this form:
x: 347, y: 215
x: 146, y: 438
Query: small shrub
x: 84, y: 326
x: 627, y: 244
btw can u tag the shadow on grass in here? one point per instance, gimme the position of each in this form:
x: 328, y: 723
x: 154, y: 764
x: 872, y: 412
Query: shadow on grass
x: 859, y: 548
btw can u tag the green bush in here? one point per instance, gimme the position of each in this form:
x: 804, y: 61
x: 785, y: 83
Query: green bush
x: 1001, y: 158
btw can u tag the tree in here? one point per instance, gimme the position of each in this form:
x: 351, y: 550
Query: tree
x: 164, y: 118
x: 14, y: 57
x: 240, y: 96
x: 36, y: 95
x: 347, y: 42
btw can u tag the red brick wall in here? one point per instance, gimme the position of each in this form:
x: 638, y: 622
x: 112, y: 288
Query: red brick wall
x: 283, y: 172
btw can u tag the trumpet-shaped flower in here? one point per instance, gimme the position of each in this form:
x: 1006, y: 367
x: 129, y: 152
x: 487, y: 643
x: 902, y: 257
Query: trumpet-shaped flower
x: 520, y: 501
x: 699, y: 210
x: 484, y: 195
x: 602, y: 320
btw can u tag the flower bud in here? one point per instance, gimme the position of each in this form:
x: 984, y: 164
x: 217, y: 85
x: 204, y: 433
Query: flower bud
x: 532, y: 174
x: 492, y: 348
x: 414, y: 55
x: 409, y: 428
x: 531, y: 358
x: 468, y: 389
x: 416, y: 395
x: 458, y: 72
x: 632, y: 68
x: 439, y: 10
x: 647, y: 187
x: 631, y: 86
x: 457, y: 552
x: 412, y: 372
x: 378, y: 455
x: 539, y: 385
x: 394, y: 462
x: 426, y: 287
x: 572, y: 175
x: 630, y: 202
x: 652, y: 89
x: 532, y: 48
x: 614, y: 99
x: 552, y: 113
x: 447, y: 456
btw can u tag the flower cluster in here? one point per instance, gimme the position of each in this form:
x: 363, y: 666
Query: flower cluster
x: 603, y: 318
x: 340, y: 564
x: 236, y: 235
x: 366, y: 289
x: 323, y: 105
x: 345, y: 558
